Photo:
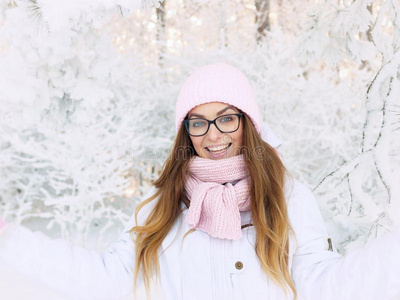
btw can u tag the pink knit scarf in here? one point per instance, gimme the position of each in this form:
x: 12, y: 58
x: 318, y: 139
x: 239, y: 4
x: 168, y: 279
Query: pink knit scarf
x: 218, y: 191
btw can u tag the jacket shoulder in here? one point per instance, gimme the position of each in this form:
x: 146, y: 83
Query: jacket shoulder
x: 295, y: 192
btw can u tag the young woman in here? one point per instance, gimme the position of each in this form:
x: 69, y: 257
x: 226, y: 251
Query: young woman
x: 224, y: 221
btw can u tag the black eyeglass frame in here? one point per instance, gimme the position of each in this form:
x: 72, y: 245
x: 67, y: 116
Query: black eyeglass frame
x: 186, y: 124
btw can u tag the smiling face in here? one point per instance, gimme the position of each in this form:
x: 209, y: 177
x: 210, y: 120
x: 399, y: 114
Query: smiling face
x: 215, y: 144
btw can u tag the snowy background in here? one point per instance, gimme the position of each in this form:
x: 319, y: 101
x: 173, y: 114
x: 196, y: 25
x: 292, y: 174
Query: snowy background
x: 88, y: 88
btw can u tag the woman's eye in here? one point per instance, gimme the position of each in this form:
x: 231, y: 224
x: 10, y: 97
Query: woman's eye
x: 198, y: 123
x: 226, y: 119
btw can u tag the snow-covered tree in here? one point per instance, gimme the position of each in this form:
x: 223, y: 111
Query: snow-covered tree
x: 363, y: 192
x: 70, y: 106
x: 88, y: 91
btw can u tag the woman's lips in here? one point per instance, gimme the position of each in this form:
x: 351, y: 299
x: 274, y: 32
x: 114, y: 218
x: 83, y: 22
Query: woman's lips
x: 215, y: 154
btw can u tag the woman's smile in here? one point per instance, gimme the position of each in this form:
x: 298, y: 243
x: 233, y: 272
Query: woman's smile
x: 218, y: 151
x: 215, y: 144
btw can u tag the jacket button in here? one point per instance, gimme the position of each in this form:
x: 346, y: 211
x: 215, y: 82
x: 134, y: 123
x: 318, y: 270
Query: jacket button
x: 239, y: 265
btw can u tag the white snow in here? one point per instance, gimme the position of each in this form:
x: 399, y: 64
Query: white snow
x: 88, y: 88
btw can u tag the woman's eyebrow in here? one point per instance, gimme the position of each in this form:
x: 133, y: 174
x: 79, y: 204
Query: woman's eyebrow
x: 218, y: 113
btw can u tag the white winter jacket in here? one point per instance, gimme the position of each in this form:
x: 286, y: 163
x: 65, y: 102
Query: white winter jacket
x: 206, y: 268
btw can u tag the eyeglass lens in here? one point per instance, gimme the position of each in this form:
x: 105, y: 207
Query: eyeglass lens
x: 226, y: 123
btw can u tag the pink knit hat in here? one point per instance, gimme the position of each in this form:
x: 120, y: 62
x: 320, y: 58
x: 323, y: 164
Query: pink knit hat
x: 219, y: 82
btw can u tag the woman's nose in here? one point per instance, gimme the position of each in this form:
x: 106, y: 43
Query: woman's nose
x: 213, y: 133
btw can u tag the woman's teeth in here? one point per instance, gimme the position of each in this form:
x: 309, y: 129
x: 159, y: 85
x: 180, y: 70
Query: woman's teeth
x: 218, y: 148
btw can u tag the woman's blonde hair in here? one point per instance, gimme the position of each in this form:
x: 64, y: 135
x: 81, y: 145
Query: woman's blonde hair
x: 268, y: 207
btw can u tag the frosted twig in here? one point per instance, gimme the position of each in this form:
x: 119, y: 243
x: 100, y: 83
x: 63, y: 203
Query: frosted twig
x: 379, y: 17
x: 354, y: 161
x: 383, y: 181
x: 351, y: 193
x: 369, y: 111
x: 376, y: 224
x: 344, y: 177
x: 383, y: 114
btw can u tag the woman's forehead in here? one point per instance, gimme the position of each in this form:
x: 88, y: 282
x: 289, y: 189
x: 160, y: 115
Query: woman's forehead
x: 211, y: 109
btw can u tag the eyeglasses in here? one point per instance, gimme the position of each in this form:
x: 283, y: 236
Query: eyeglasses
x: 225, y: 124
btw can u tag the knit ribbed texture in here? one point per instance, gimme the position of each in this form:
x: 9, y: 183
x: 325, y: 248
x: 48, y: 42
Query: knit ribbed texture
x: 218, y: 191
x: 219, y: 82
